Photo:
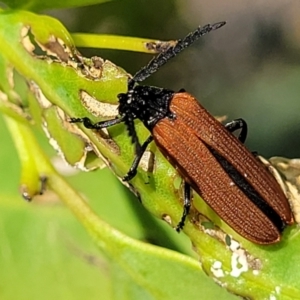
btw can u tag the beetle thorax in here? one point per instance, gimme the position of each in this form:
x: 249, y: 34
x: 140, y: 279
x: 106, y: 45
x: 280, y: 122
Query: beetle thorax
x: 149, y: 104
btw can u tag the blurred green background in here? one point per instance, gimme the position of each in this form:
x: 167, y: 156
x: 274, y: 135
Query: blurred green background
x: 249, y: 69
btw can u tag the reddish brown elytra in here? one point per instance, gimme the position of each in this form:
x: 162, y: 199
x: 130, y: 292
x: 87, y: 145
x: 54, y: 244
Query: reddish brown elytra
x: 207, y: 155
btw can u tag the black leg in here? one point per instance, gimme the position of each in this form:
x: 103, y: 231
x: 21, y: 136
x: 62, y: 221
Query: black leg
x: 133, y: 169
x: 186, y: 206
x: 99, y: 125
x: 238, y: 124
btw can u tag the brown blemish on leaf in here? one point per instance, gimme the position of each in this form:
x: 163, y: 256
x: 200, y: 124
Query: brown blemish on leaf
x: 91, y: 68
x: 54, y: 50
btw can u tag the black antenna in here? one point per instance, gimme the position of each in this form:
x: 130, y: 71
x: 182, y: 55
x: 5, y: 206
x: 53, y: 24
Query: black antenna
x: 159, y: 60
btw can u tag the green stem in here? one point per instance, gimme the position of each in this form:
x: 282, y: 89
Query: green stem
x: 112, y: 42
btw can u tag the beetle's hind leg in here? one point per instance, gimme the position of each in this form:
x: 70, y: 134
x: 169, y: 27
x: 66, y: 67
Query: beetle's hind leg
x: 186, y: 206
x: 238, y: 124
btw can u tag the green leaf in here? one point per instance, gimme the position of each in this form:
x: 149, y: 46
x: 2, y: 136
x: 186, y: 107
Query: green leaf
x: 44, y: 248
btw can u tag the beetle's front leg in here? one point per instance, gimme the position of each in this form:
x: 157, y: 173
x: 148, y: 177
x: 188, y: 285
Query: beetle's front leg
x: 133, y: 169
x: 99, y: 125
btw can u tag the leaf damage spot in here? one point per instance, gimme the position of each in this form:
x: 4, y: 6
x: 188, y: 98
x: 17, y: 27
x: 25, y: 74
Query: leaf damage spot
x: 287, y: 174
x: 62, y: 167
x: 54, y: 49
x: 167, y: 219
x: 39, y: 95
x: 216, y: 269
x: 91, y: 68
x: 96, y: 107
x: 88, y: 150
x: 147, y: 161
x: 239, y: 263
x: 242, y: 261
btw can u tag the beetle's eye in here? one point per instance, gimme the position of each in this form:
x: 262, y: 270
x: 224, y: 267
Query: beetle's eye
x: 121, y: 96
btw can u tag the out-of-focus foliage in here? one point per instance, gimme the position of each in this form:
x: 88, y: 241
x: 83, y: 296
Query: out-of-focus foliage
x: 37, y: 5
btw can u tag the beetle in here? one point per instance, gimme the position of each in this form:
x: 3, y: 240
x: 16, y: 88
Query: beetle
x: 211, y: 160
